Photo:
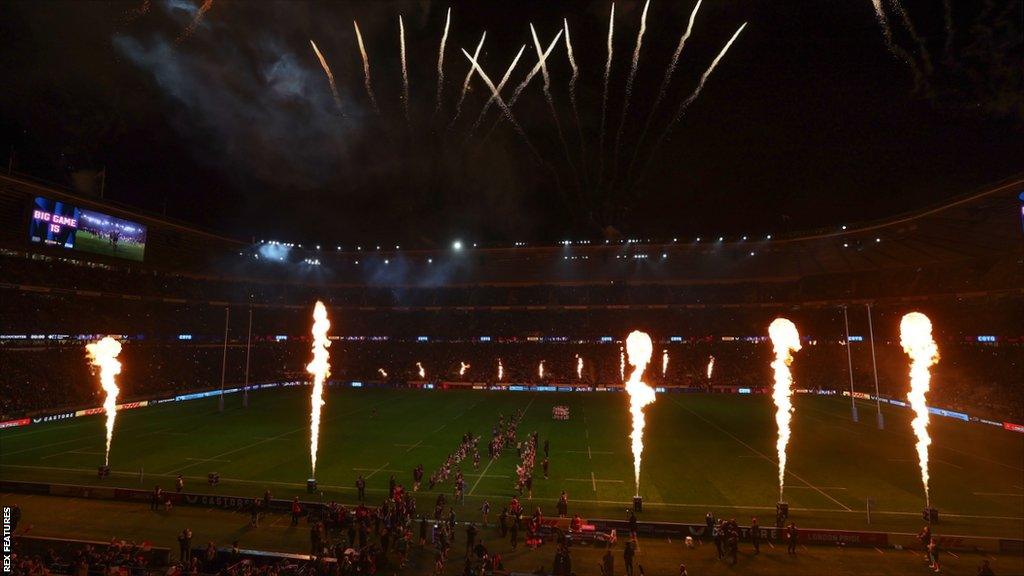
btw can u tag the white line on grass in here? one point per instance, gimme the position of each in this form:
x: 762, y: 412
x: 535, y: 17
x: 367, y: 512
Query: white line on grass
x: 207, y: 460
x: 587, y: 451
x: 488, y: 467
x: 594, y: 479
x: 264, y: 441
x: 998, y: 494
x: 370, y: 475
x: 755, y: 451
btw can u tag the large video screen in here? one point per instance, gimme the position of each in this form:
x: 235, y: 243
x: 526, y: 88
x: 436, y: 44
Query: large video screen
x: 61, y: 224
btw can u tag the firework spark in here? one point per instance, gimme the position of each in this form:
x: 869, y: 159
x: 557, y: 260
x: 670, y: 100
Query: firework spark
x: 501, y: 370
x: 665, y: 82
x: 540, y: 370
x: 640, y: 348
x: 366, y: 68
x: 711, y: 366
x: 405, y: 68
x: 465, y: 83
x: 440, y: 59
x: 785, y: 341
x: 382, y: 372
x: 604, y: 100
x: 203, y: 9
x: 422, y: 372
x: 572, y: 93
x: 462, y: 368
x: 330, y: 75
x: 496, y: 93
x: 622, y: 364
x: 916, y: 339
x: 664, y: 363
x: 630, y: 79
x: 320, y: 368
x: 685, y: 104
x: 504, y: 107
x: 541, y: 61
x: 103, y: 355
x: 579, y: 367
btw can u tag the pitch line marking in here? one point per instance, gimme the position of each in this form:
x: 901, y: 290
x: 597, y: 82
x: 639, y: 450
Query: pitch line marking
x: 71, y: 452
x: 879, y: 550
x: 998, y: 494
x: 821, y: 487
x: 378, y: 470
x: 752, y: 449
x: 488, y: 467
x: 498, y: 497
x: 271, y: 438
x: 587, y: 451
x: 207, y: 460
x: 936, y: 460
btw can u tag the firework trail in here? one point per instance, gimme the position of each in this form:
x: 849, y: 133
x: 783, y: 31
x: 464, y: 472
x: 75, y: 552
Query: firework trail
x: 947, y: 21
x: 883, y: 22
x: 103, y: 355
x: 320, y: 368
x: 522, y: 85
x: 685, y: 104
x: 405, y: 69
x: 542, y: 60
x: 203, y: 9
x: 382, y: 372
x: 572, y: 93
x: 132, y: 13
x: 540, y: 370
x: 440, y: 59
x: 916, y: 339
x: 330, y: 77
x: 664, y: 362
x: 604, y: 100
x: 462, y: 368
x: 711, y: 366
x: 579, y: 367
x: 496, y: 94
x: 926, y: 58
x: 465, y: 83
x: 665, y: 81
x: 501, y: 370
x: 423, y: 373
x: 629, y: 85
x: 640, y: 348
x: 785, y: 341
x: 366, y: 69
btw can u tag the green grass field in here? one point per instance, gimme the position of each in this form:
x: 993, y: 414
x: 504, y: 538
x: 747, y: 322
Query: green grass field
x: 703, y: 453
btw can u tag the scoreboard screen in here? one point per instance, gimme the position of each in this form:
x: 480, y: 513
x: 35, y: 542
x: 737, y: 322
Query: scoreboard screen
x: 57, y: 223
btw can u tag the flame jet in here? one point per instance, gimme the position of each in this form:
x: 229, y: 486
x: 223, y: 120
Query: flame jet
x: 916, y: 339
x: 785, y: 341
x: 639, y: 348
x: 103, y: 354
x: 320, y: 368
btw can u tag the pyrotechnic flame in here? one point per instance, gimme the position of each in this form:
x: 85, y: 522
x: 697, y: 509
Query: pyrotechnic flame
x: 366, y: 68
x: 405, y: 69
x: 330, y: 76
x: 440, y: 59
x: 785, y: 341
x: 579, y: 367
x: 917, y: 342
x: 320, y: 368
x: 203, y: 9
x: 103, y: 354
x: 462, y: 368
x: 382, y: 372
x: 423, y: 373
x: 465, y: 83
x: 640, y: 348
x: 711, y: 366
x: 540, y: 370
x: 664, y: 362
x: 501, y: 370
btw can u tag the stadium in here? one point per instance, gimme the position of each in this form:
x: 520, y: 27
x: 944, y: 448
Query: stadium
x: 743, y: 392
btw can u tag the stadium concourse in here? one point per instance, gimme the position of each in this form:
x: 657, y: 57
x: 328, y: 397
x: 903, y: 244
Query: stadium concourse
x: 201, y: 313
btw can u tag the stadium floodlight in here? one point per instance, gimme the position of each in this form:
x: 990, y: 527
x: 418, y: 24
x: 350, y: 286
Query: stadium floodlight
x: 457, y: 245
x: 397, y: 247
x: 386, y: 261
x: 430, y: 260
x: 317, y: 246
x: 844, y: 226
x: 698, y: 239
x: 744, y: 237
x: 720, y: 238
x: 877, y: 240
x: 768, y: 237
x: 846, y: 245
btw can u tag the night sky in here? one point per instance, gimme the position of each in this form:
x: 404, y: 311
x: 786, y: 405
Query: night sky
x: 809, y: 120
